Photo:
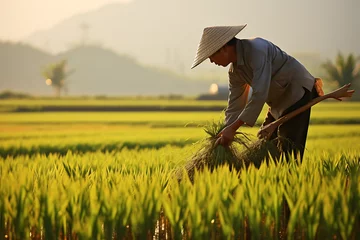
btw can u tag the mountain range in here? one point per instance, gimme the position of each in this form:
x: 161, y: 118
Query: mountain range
x: 166, y: 32
x: 124, y: 48
x: 97, y: 71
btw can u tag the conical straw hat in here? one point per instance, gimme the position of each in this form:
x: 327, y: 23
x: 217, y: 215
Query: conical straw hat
x: 212, y: 39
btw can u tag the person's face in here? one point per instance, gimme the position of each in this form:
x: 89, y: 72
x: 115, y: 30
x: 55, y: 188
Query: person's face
x: 221, y: 57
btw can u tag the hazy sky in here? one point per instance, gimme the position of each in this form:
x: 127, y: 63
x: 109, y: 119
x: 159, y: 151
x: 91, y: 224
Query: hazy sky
x: 19, y: 18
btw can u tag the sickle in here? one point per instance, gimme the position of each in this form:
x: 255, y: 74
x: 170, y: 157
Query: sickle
x: 266, y: 131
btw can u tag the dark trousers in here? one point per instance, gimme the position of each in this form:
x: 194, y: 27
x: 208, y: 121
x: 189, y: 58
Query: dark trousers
x: 291, y: 135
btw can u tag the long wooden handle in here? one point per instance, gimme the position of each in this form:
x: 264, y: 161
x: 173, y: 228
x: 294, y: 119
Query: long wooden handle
x: 342, y: 92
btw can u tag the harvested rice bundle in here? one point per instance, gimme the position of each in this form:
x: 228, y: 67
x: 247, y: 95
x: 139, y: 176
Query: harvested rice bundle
x: 239, y: 154
x: 261, y: 150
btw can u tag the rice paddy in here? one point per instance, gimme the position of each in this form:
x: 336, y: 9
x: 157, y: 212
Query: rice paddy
x: 100, y: 176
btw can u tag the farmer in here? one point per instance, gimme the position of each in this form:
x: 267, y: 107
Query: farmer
x: 275, y: 77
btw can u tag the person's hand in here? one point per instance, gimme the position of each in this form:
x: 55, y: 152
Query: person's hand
x: 266, y: 131
x: 226, y: 136
x: 262, y: 134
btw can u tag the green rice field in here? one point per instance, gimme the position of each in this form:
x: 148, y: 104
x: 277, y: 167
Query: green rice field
x: 110, y: 175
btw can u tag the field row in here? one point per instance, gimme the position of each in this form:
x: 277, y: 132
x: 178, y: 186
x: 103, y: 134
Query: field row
x: 47, y: 139
x: 133, y: 194
x: 163, y: 119
x: 112, y: 176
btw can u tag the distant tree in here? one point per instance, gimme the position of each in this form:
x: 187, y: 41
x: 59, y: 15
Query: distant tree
x: 55, y: 75
x: 344, y: 70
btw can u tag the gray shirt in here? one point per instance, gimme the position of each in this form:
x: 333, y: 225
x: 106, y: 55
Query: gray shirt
x: 275, y: 78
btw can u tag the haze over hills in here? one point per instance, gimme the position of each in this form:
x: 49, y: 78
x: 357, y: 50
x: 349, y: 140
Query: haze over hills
x: 166, y: 32
x: 125, y: 44
x: 21, y: 66
x: 98, y: 71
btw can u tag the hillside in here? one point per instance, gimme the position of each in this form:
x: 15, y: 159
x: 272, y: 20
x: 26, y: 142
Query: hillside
x: 98, y: 71
x: 20, y: 68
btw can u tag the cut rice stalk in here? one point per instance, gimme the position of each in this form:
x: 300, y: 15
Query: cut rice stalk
x: 239, y: 154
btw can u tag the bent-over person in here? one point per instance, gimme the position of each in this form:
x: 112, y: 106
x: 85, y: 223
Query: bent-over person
x: 275, y: 78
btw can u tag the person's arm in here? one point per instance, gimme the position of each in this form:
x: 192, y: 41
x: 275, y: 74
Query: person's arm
x: 238, y: 96
x: 261, y: 66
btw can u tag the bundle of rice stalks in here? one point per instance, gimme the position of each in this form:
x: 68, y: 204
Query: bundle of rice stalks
x: 239, y: 154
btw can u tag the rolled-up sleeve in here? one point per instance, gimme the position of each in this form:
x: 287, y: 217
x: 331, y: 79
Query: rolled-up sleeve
x: 238, y: 95
x: 260, y: 85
